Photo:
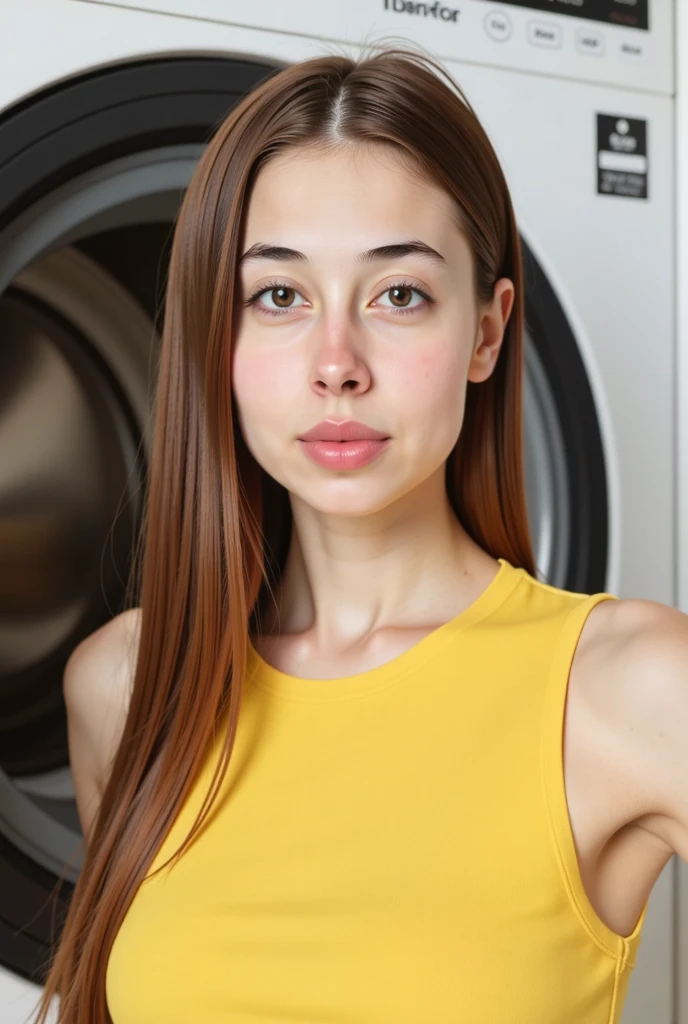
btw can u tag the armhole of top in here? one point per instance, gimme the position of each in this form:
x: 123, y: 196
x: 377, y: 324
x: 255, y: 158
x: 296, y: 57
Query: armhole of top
x: 620, y: 947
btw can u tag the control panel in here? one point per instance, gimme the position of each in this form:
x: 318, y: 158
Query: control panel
x: 616, y: 42
x: 624, y: 13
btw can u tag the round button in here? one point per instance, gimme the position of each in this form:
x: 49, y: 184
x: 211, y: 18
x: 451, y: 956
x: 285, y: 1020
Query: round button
x: 498, y: 26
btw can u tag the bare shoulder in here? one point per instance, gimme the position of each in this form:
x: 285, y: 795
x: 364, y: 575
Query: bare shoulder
x: 635, y: 644
x: 97, y: 685
x: 101, y: 666
x: 631, y: 695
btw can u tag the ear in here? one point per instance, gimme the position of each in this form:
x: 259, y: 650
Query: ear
x: 491, y: 327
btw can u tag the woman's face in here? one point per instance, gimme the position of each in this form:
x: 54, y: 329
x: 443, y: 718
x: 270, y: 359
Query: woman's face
x: 390, y: 341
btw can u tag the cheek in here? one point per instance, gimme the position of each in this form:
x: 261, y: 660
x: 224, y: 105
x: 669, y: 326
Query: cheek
x: 432, y: 378
x: 434, y: 387
x: 264, y: 392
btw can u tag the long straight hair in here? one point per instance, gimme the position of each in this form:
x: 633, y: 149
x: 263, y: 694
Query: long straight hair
x: 216, y: 527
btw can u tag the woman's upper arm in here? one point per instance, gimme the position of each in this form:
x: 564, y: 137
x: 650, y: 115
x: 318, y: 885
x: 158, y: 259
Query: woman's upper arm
x: 96, y: 685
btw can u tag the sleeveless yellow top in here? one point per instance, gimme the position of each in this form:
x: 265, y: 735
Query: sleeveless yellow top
x: 389, y: 846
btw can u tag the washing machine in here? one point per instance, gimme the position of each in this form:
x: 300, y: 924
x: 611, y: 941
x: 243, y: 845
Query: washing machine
x: 105, y: 108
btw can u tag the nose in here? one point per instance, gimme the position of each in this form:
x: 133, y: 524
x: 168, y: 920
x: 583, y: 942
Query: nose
x: 338, y: 364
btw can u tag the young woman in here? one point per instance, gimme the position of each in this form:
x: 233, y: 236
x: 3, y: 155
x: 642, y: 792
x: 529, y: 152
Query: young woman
x: 451, y: 787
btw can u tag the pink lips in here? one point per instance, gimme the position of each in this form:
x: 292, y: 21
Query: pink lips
x: 346, y: 445
x: 347, y: 430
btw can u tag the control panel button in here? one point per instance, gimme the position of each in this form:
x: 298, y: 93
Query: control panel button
x: 541, y: 33
x: 590, y: 42
x: 633, y: 50
x: 498, y: 26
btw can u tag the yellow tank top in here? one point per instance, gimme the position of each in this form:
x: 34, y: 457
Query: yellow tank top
x: 394, y: 846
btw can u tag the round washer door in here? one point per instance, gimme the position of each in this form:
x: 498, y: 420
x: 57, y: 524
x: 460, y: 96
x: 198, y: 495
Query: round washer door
x: 91, y: 176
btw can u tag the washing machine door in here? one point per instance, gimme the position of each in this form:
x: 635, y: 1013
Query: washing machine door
x: 91, y: 176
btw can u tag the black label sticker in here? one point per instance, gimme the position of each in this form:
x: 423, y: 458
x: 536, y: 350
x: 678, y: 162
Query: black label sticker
x: 621, y: 156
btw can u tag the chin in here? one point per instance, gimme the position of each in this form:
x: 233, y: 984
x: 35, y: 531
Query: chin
x: 346, y: 497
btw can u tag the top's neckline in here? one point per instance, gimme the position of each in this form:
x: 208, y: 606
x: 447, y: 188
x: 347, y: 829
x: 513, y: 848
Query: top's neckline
x: 268, y: 678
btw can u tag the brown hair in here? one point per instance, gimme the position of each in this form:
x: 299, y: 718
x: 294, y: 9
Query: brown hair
x: 216, y: 526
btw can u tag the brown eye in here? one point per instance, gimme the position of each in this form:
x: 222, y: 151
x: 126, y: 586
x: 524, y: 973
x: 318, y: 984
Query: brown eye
x: 401, y: 294
x: 285, y: 294
x: 401, y: 290
x: 276, y: 292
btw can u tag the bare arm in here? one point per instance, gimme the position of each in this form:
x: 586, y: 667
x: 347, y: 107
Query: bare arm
x: 97, y: 684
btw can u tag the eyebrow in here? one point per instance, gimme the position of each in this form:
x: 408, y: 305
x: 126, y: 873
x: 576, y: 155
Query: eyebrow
x: 395, y: 251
